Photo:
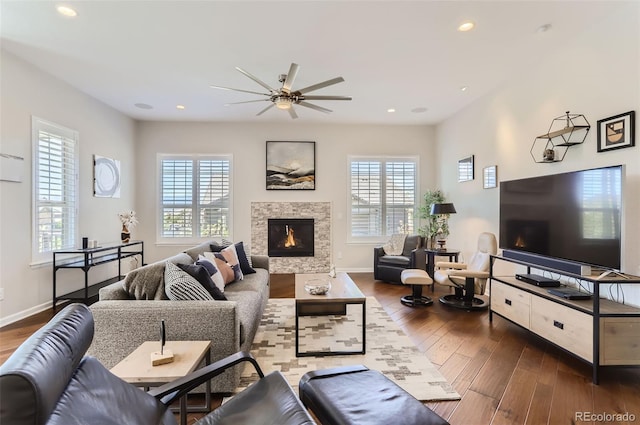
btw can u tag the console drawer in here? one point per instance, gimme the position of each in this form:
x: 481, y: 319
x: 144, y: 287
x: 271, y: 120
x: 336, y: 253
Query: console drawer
x: 619, y: 341
x: 564, y: 326
x: 510, y: 302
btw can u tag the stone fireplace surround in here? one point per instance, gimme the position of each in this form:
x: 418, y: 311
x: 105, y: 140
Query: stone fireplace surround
x: 319, y: 211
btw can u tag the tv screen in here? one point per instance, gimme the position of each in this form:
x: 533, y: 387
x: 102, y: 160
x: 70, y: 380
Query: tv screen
x: 573, y: 216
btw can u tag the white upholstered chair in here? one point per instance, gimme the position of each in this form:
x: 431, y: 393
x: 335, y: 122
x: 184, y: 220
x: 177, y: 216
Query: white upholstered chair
x: 468, y: 279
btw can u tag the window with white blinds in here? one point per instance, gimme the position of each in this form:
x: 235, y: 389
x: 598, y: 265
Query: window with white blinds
x: 195, y: 197
x: 55, y: 188
x: 601, y: 204
x: 383, y: 196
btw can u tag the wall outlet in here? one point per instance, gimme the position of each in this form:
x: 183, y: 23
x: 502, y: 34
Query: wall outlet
x: 1, y: 294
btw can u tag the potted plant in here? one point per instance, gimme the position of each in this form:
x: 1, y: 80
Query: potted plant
x: 434, y: 226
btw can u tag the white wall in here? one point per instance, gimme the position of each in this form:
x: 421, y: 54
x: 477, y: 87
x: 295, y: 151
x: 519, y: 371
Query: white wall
x: 28, y: 91
x: 596, y: 74
x: 246, y: 142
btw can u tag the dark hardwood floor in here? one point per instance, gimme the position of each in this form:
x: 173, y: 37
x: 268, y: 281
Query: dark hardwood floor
x: 504, y: 374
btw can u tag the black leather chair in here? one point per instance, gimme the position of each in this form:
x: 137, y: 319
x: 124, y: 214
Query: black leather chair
x: 49, y: 380
x: 388, y: 268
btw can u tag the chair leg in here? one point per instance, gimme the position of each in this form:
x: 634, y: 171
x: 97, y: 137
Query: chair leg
x: 464, y: 298
x: 416, y: 298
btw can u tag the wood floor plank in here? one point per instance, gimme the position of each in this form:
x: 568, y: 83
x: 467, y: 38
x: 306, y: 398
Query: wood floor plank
x: 474, y: 409
x: 572, y: 394
x: 514, y: 406
x: 540, y: 404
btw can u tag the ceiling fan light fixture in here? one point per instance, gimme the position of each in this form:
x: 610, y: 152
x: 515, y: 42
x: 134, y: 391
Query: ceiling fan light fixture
x: 466, y: 26
x: 283, y: 103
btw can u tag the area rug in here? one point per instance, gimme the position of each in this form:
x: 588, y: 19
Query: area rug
x: 388, y: 349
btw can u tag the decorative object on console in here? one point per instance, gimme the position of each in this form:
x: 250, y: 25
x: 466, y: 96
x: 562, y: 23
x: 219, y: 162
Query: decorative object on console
x: 442, y: 212
x: 565, y: 131
x: 617, y: 132
x: 291, y: 165
x: 128, y: 220
x: 106, y: 177
x: 466, y: 169
x: 490, y: 177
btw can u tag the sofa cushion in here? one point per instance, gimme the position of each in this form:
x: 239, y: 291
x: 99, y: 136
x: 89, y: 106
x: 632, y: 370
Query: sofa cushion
x: 201, y: 274
x: 396, y: 260
x: 180, y: 286
x: 147, y: 282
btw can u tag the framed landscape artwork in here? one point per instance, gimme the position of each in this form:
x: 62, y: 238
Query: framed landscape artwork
x: 291, y: 165
x: 617, y: 132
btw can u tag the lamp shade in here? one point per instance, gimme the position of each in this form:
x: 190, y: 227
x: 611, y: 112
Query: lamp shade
x: 442, y: 209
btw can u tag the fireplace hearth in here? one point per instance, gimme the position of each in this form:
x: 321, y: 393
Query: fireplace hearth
x: 290, y: 237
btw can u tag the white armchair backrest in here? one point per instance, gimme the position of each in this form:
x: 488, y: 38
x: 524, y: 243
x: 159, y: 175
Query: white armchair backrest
x: 481, y: 259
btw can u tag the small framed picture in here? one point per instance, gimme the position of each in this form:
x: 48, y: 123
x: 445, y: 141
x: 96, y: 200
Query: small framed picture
x: 617, y: 132
x: 490, y: 177
x: 465, y: 169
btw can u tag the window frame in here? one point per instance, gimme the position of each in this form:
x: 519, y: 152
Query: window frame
x: 190, y: 240
x: 72, y: 240
x: 383, y: 160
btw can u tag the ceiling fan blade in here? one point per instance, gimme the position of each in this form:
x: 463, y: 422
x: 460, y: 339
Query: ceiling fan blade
x: 246, y: 101
x: 316, y: 107
x: 244, y: 91
x: 257, y: 80
x: 293, y: 113
x: 265, y: 109
x: 327, y: 97
x: 320, y: 85
x: 291, y: 76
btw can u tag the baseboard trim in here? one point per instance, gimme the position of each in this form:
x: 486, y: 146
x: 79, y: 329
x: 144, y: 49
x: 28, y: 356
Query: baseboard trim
x: 24, y: 314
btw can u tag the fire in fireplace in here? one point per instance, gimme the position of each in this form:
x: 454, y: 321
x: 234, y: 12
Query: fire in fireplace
x: 290, y: 237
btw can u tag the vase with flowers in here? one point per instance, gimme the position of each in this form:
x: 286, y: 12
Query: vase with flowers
x: 128, y: 220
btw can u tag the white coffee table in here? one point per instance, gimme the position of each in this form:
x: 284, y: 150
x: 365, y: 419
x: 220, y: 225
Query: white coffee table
x: 136, y: 368
x: 343, y: 292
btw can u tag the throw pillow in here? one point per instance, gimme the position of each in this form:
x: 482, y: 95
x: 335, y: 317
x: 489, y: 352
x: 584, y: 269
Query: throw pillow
x: 201, y: 274
x: 230, y: 255
x: 214, y: 272
x: 237, y: 273
x: 225, y: 269
x: 395, y: 246
x: 179, y: 286
x: 243, y: 259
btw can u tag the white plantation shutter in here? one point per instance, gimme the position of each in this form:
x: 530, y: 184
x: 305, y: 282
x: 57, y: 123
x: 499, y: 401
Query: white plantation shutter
x: 400, y: 189
x: 383, y: 196
x: 600, y: 205
x: 55, y: 188
x: 195, y: 196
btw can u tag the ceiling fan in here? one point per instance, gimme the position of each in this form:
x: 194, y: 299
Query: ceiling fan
x: 285, y: 97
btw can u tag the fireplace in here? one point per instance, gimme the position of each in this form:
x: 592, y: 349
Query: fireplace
x: 290, y: 237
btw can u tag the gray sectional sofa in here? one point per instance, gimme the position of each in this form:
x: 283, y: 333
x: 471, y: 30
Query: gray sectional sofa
x: 125, y: 318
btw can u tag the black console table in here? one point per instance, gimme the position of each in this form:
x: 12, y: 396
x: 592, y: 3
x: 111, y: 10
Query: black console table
x: 85, y: 259
x: 599, y: 331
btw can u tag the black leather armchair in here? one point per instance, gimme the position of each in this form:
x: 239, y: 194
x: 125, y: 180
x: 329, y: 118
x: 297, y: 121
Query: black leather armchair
x: 388, y: 268
x: 49, y: 380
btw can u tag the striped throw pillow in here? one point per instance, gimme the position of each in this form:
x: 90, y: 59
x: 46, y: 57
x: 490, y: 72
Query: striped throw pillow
x: 180, y: 286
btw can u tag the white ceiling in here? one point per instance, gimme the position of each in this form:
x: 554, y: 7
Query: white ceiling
x: 392, y: 54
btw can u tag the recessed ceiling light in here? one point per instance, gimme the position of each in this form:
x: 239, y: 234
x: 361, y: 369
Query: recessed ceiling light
x: 543, y: 28
x: 143, y: 106
x: 419, y: 110
x: 466, y: 26
x: 464, y: 88
x: 181, y: 107
x: 391, y: 110
x: 66, y: 11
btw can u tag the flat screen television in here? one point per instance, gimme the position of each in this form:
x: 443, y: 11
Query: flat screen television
x: 574, y: 216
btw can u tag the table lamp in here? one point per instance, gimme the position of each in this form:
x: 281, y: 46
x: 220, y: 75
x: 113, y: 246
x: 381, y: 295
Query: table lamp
x: 442, y: 211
